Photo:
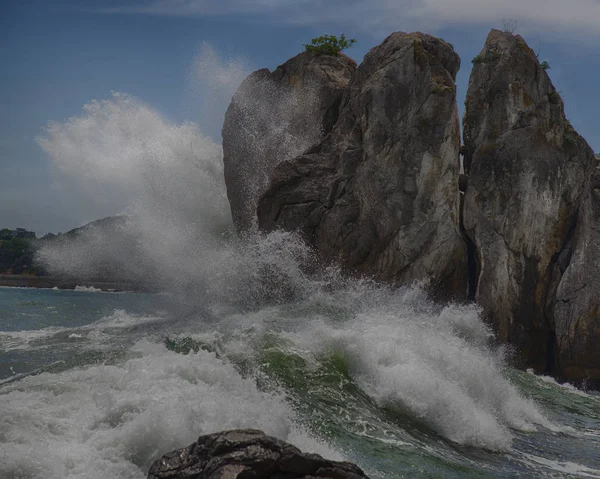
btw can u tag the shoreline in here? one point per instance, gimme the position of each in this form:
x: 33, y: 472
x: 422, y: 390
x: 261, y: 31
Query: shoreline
x: 50, y: 282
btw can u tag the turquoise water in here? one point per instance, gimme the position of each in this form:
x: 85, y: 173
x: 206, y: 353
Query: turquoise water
x: 100, y: 384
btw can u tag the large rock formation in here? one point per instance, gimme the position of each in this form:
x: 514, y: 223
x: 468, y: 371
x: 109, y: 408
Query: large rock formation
x: 276, y: 116
x: 527, y: 170
x: 577, y: 304
x: 380, y: 194
x: 247, y: 453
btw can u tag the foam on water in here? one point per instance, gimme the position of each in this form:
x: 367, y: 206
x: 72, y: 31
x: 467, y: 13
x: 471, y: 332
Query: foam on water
x: 88, y: 289
x: 566, y: 467
x: 113, y: 421
x: 419, y: 362
x: 567, y: 386
x: 101, y: 331
x: 404, y: 350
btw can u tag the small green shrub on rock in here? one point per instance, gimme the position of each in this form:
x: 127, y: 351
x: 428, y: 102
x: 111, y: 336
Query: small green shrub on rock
x: 329, y: 44
x: 545, y: 65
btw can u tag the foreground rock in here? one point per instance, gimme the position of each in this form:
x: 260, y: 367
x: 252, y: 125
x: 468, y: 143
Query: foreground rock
x: 276, y: 116
x: 247, y: 453
x: 380, y: 194
x: 527, y: 172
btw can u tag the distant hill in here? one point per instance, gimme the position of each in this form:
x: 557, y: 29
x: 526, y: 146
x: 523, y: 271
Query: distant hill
x: 103, y: 250
x: 17, y: 251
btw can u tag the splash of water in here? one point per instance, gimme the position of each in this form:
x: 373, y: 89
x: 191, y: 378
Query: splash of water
x: 271, y: 119
x: 400, y: 348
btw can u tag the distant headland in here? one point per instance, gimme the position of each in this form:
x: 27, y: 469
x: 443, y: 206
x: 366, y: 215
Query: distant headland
x: 22, y: 266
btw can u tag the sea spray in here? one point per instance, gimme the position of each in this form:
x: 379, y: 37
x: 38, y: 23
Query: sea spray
x: 402, y: 348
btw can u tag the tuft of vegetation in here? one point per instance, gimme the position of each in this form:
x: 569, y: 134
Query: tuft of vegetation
x: 439, y: 85
x: 329, y: 44
x: 488, y: 57
x: 545, y: 65
x: 510, y: 25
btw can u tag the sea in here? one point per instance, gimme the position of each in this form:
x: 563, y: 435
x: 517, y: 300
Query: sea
x: 100, y: 384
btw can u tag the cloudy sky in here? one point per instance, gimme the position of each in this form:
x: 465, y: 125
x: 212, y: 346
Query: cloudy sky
x: 90, y: 89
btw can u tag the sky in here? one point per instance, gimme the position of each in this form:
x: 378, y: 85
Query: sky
x: 89, y: 89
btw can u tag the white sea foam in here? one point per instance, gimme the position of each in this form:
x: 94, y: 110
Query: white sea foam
x: 101, y: 331
x: 403, y: 350
x: 14, y: 340
x: 88, y: 289
x: 567, y: 386
x: 565, y: 467
x: 113, y: 421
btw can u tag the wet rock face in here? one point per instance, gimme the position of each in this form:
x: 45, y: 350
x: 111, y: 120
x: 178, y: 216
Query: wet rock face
x: 527, y: 169
x: 246, y: 454
x: 379, y: 195
x: 276, y: 116
x: 577, y: 303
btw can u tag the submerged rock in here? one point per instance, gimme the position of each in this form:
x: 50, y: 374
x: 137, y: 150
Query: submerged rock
x: 527, y: 170
x: 244, y: 454
x: 379, y: 195
x: 275, y: 116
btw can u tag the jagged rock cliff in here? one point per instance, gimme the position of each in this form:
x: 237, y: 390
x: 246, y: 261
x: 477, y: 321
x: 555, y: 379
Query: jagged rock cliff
x: 379, y: 195
x: 527, y: 171
x: 247, y: 453
x: 577, y: 303
x: 276, y: 116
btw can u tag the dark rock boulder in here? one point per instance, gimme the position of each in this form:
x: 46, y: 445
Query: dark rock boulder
x: 577, y: 303
x: 527, y: 169
x: 275, y: 116
x: 246, y: 454
x: 379, y: 195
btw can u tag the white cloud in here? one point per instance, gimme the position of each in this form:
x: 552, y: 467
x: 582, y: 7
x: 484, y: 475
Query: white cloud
x: 555, y: 15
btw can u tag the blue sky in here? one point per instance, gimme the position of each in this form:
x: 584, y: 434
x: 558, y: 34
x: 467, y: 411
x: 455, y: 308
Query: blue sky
x: 183, y: 58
